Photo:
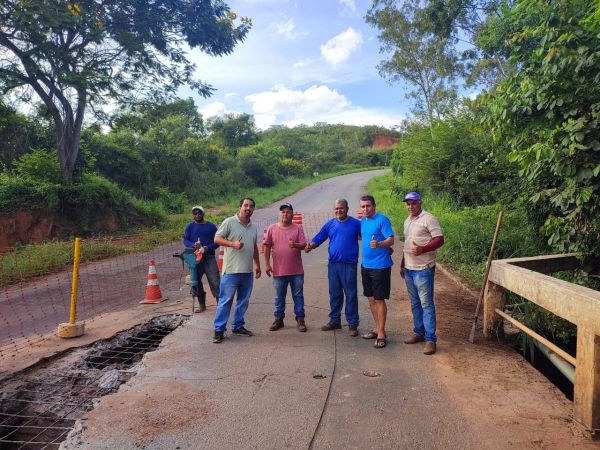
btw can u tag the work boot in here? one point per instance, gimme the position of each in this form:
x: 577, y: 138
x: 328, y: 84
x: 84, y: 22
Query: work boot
x: 331, y: 326
x: 218, y: 337
x: 300, y: 324
x: 277, y: 324
x: 241, y: 331
x: 353, y: 330
x: 202, y: 302
x: 429, y: 348
x: 414, y: 339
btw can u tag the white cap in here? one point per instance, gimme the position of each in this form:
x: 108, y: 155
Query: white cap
x: 197, y: 207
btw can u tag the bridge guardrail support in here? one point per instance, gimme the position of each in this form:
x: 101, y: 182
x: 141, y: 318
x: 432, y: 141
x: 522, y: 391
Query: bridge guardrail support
x: 579, y: 305
x: 587, y: 379
x: 493, y: 298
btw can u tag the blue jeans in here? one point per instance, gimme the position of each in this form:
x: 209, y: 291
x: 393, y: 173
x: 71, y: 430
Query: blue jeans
x: 232, y: 283
x: 342, y: 281
x: 420, y: 293
x: 296, y: 283
x: 208, y: 266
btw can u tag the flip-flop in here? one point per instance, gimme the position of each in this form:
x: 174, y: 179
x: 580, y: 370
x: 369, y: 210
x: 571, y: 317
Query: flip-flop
x: 380, y: 343
x: 370, y: 335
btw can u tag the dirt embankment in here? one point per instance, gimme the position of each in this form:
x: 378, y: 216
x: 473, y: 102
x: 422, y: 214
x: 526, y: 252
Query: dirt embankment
x: 27, y: 226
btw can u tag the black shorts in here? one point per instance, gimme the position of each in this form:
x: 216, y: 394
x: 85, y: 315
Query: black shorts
x: 376, y: 282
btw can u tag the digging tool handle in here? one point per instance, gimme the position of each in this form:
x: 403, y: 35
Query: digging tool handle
x: 485, y: 276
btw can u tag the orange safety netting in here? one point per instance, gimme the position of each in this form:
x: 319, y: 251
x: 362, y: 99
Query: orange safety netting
x: 31, y: 307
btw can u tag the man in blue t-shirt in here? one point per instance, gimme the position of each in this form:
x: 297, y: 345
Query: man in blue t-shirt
x: 343, y: 233
x: 378, y: 237
x: 199, y: 238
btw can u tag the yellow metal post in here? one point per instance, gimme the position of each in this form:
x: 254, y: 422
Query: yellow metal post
x: 73, y: 328
x: 74, y: 282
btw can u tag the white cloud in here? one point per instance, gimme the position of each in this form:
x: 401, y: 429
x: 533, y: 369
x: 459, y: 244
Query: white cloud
x: 296, y: 103
x: 231, y: 94
x: 315, y: 104
x: 339, y: 48
x: 213, y: 109
x: 302, y: 63
x: 287, y: 29
x: 349, y: 4
x: 264, y: 121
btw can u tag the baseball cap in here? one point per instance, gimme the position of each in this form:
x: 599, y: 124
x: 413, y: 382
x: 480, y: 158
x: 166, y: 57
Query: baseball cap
x: 412, y: 196
x: 286, y: 205
x: 197, y: 207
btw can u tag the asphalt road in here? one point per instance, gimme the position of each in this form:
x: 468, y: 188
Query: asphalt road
x: 327, y: 390
x: 282, y: 389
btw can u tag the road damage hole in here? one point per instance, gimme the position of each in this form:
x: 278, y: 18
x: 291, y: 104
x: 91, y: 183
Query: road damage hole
x: 371, y: 373
x: 40, y: 405
x: 319, y: 376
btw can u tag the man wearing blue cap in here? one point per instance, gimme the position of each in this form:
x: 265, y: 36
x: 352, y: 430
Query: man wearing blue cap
x: 422, y: 237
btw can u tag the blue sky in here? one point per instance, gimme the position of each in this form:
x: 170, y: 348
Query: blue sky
x: 303, y: 62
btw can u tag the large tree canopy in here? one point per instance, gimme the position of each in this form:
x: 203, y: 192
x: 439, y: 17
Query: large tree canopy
x: 79, y: 54
x: 416, y: 54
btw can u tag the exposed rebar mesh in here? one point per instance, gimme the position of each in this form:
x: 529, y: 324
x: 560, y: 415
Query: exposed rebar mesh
x: 40, y: 406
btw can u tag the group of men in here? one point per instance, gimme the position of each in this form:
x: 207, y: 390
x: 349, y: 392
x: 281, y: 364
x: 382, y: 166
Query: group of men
x: 283, y: 245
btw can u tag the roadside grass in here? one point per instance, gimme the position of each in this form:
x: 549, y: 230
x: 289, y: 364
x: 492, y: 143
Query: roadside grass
x: 468, y: 231
x: 24, y: 262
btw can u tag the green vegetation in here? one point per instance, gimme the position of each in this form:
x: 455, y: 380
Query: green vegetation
x: 529, y: 144
x: 28, y: 261
x: 158, y: 158
x: 80, y: 55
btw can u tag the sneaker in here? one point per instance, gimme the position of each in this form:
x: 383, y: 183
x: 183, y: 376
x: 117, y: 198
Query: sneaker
x: 300, y: 324
x: 429, y: 348
x: 241, y: 331
x: 218, y: 337
x: 414, y: 339
x: 331, y: 326
x: 276, y: 325
x: 353, y: 330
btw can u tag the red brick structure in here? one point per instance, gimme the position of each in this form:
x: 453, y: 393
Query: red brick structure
x: 383, y: 141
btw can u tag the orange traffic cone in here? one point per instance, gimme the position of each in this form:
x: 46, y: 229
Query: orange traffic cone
x: 220, y: 260
x: 153, y: 294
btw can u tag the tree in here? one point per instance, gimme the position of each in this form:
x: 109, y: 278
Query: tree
x: 233, y: 131
x: 417, y: 55
x: 75, y: 55
x: 548, y: 112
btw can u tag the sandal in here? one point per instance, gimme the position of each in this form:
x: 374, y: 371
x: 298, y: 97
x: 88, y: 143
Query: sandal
x: 380, y: 343
x: 370, y: 335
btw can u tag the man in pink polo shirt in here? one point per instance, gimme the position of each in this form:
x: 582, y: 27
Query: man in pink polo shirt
x: 285, y: 241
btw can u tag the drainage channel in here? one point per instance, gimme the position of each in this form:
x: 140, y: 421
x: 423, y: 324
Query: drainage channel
x: 40, y: 405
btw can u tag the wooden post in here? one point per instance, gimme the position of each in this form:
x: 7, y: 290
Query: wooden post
x: 587, y: 379
x: 492, y: 298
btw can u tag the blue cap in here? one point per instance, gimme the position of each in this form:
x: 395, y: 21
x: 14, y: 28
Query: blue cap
x: 412, y: 196
x: 286, y: 205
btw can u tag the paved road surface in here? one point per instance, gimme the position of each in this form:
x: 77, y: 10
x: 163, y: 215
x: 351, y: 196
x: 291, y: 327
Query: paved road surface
x: 287, y: 389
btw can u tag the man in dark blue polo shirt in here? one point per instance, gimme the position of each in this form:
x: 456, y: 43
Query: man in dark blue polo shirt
x: 343, y: 233
x: 199, y: 237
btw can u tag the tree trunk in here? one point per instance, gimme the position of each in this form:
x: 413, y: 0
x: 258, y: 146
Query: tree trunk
x: 68, y: 149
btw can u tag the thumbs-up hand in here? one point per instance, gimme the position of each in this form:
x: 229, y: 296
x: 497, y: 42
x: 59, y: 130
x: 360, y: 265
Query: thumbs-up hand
x: 373, y: 242
x: 238, y: 244
x: 416, y: 249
